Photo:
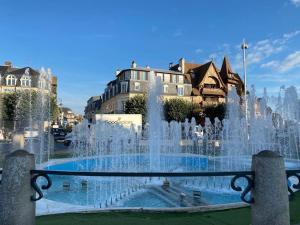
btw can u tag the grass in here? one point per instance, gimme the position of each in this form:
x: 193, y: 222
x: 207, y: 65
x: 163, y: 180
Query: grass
x: 61, y: 154
x: 226, y: 217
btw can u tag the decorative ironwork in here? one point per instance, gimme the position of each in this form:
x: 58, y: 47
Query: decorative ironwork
x: 35, y: 186
x: 236, y: 174
x: 289, y: 174
x: 250, y: 185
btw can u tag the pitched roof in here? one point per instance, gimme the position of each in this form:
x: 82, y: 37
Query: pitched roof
x: 199, y: 73
x: 226, y: 71
x: 23, y: 71
x: 190, y: 66
x: 17, y: 71
x: 187, y: 67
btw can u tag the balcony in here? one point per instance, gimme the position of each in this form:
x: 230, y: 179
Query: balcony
x: 213, y: 91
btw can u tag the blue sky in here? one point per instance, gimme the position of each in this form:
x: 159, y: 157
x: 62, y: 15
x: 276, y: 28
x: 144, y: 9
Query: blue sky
x: 85, y: 41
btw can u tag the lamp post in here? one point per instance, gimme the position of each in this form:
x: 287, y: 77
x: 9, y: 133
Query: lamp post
x: 244, y: 47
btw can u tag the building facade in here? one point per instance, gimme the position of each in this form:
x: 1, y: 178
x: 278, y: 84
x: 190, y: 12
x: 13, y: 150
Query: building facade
x: 210, y: 85
x: 203, y: 84
x: 134, y: 81
x: 14, y: 79
x: 93, y: 106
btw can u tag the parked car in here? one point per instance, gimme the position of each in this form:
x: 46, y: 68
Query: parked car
x: 68, y: 139
x: 58, y: 134
x: 30, y: 133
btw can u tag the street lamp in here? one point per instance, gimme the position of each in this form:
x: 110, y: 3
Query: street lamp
x: 244, y: 47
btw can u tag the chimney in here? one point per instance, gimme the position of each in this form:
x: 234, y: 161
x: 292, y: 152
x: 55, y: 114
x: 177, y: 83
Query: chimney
x: 181, y: 64
x: 170, y: 65
x: 117, y: 72
x: 8, y: 64
x: 133, y: 64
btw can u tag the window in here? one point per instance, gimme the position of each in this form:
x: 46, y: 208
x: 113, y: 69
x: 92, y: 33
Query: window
x: 166, y: 88
x: 160, y: 76
x: 143, y: 75
x: 134, y: 75
x: 174, y: 78
x: 108, y: 93
x: 123, y: 106
x: 180, y: 91
x: 210, y: 85
x: 167, y: 78
x: 41, y: 83
x: 127, y: 75
x: 113, y: 91
x: 180, y: 79
x: 137, y: 86
x: 124, y: 87
x: 25, y: 81
x: 11, y: 80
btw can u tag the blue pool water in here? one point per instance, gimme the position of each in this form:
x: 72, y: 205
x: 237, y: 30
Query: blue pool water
x: 103, y: 192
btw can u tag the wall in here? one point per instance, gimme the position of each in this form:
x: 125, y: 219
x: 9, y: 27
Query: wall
x: 124, y: 119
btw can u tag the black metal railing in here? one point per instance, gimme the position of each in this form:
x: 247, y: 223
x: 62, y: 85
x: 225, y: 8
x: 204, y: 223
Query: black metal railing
x: 249, y: 176
x: 293, y: 173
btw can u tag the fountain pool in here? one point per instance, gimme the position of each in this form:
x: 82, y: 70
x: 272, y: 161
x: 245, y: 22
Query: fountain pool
x: 110, y: 192
x: 162, y: 146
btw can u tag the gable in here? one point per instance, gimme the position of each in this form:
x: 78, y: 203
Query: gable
x: 212, y: 76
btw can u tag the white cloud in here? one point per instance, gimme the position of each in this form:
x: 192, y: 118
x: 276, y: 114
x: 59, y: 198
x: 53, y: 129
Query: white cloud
x: 295, y: 2
x: 263, y: 49
x: 198, y: 51
x: 292, y: 61
x: 271, y: 64
x: 177, y: 33
x: 292, y: 34
x: 218, y: 55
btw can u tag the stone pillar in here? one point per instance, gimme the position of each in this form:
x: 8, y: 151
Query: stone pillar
x: 270, y: 193
x: 15, y: 190
x: 18, y: 141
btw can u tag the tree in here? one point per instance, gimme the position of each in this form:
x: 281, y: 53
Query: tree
x: 54, y: 109
x: 9, y: 109
x: 178, y: 109
x: 22, y: 108
x: 215, y: 111
x: 137, y: 105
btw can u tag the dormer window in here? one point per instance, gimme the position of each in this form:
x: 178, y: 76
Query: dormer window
x: 174, y: 78
x: 124, y: 87
x: 25, y: 81
x: 165, y: 88
x: 137, y: 86
x: 180, y: 90
x: 134, y: 75
x: 11, y: 80
x: 42, y: 83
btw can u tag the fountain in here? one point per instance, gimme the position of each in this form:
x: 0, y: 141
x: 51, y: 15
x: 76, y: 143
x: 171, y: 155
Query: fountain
x: 32, y: 116
x: 272, y: 123
x: 169, y: 147
x: 155, y: 119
